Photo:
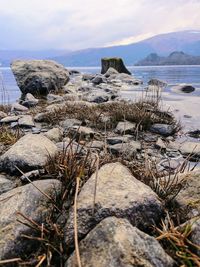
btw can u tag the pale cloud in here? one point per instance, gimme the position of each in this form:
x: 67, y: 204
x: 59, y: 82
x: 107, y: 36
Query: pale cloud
x: 40, y: 24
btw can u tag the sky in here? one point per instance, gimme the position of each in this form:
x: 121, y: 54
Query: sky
x: 79, y: 24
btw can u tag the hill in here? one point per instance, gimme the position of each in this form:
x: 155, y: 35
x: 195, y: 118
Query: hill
x: 175, y: 58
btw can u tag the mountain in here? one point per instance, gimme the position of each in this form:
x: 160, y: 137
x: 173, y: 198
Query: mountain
x: 175, y: 58
x: 163, y: 44
x: 7, y: 56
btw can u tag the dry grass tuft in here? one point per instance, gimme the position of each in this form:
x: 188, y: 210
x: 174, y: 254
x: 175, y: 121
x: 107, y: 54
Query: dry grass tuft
x: 9, y: 136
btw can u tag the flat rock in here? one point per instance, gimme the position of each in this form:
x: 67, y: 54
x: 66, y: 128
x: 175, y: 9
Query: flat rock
x: 54, y: 134
x: 26, y: 121
x: 188, y: 148
x: 10, y: 119
x: 18, y: 107
x: 128, y: 149
x: 162, y: 129
x: 30, y: 202
x: 183, y: 88
x: 115, y: 242
x: 28, y: 153
x: 51, y: 98
x: 118, y: 194
x: 113, y: 140
x: 5, y: 184
x: 30, y: 101
x: 125, y: 127
x: 68, y: 123
x: 84, y: 133
x: 2, y: 115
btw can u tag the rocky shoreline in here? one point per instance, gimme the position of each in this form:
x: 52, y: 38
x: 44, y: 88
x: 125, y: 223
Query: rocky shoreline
x: 78, y: 164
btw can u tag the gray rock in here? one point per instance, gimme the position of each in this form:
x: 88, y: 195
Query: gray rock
x: 195, y: 233
x: 118, y: 194
x: 188, y: 148
x: 30, y: 101
x: 96, y: 145
x: 127, y: 149
x: 5, y: 184
x: 32, y: 175
x: 88, y: 77
x: 2, y: 115
x: 125, y: 127
x: 54, y: 134
x: 30, y: 202
x: 18, y: 107
x: 83, y: 133
x: 51, y: 98
x: 156, y: 82
x: 28, y: 153
x: 85, y: 89
x: 40, y: 117
x: 160, y: 144
x: 98, y: 98
x: 55, y: 107
x: 119, y: 139
x: 162, y: 129
x: 111, y: 71
x: 97, y: 79
x: 26, y: 121
x: 10, y: 119
x: 183, y: 88
x: 68, y: 123
x: 115, y: 242
x: 39, y: 77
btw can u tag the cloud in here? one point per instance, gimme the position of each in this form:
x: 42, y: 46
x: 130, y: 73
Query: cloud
x: 80, y: 24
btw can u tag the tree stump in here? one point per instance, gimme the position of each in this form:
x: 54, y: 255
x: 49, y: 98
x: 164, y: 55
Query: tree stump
x: 116, y: 63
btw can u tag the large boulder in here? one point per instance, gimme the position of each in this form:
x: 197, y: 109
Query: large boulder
x: 183, y: 88
x: 115, y: 242
x: 39, y: 77
x: 115, y: 63
x: 118, y: 194
x: 29, y: 153
x: 29, y: 201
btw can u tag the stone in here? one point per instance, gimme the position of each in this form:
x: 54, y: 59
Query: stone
x: 188, y: 148
x: 39, y: 77
x: 10, y: 119
x: 115, y: 242
x: 195, y: 233
x: 98, y: 98
x: 127, y: 149
x: 54, y: 134
x: 156, y: 82
x: 183, y: 88
x: 118, y: 194
x: 125, y: 78
x: 18, y: 107
x: 83, y: 133
x: 30, y: 101
x: 160, y: 144
x: 29, y: 201
x: 119, y: 139
x: 30, y: 152
x: 96, y: 145
x: 88, y: 77
x: 162, y: 129
x: 68, y: 123
x: 40, y: 117
x: 115, y: 63
x: 97, y: 80
x: 26, y: 121
x: 85, y: 89
x: 125, y: 127
x: 5, y: 184
x: 189, y: 197
x: 51, y: 98
x: 55, y: 107
x: 111, y: 71
x: 32, y: 175
x: 2, y: 115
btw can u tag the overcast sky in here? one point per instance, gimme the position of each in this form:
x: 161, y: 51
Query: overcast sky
x: 77, y: 24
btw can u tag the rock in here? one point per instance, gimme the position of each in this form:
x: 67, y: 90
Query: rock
x: 26, y: 121
x: 118, y: 194
x: 83, y: 133
x: 55, y: 107
x: 18, y: 107
x: 2, y: 115
x: 39, y: 77
x: 97, y: 80
x: 188, y: 198
x: 74, y: 72
x: 68, y: 123
x: 119, y: 139
x: 40, y: 117
x: 125, y: 78
x: 111, y: 71
x: 160, y: 144
x: 96, y: 145
x: 88, y: 77
x: 115, y: 63
x: 170, y: 164
x: 28, y: 153
x: 115, y: 242
x: 32, y: 175
x: 5, y: 184
x: 10, y: 119
x: 194, y: 134
x: 54, y: 135
x: 188, y: 148
x: 125, y: 127
x: 85, y: 89
x: 156, y: 82
x: 98, y: 98
x: 33, y: 204
x: 51, y: 98
x: 30, y: 101
x: 127, y: 149
x: 183, y: 88
x: 162, y: 129
x: 195, y: 233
